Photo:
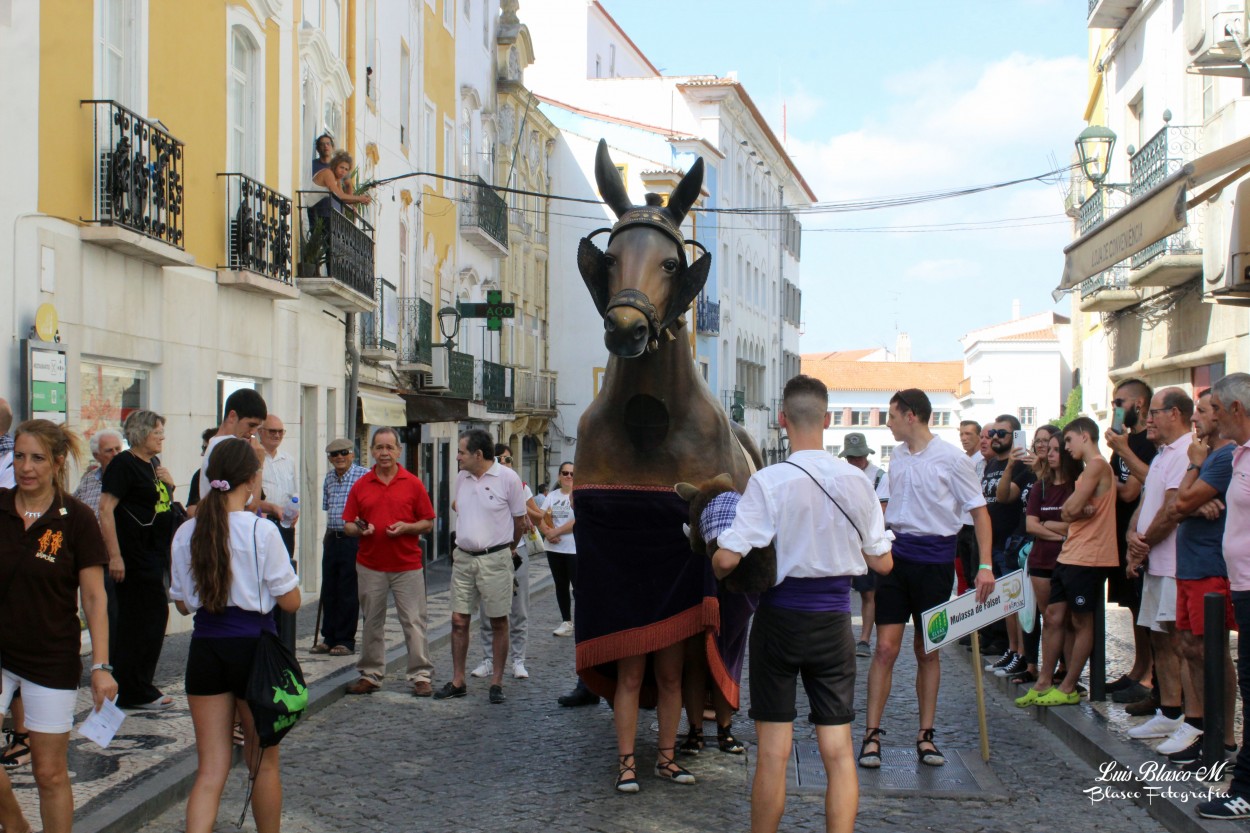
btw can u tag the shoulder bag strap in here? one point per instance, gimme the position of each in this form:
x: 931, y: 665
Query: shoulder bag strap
x: 835, y: 503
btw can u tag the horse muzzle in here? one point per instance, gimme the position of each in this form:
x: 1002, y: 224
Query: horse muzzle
x: 626, y: 332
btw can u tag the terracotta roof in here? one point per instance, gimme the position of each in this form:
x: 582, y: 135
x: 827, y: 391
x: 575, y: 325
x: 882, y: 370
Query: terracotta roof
x: 840, y: 355
x: 886, y: 376
x: 1045, y: 334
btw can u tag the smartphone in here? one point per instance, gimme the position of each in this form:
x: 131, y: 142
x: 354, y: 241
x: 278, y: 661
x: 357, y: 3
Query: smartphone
x: 1117, y: 421
x: 1020, y: 440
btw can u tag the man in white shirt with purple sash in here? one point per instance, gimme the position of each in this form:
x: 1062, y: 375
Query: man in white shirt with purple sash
x: 932, y: 483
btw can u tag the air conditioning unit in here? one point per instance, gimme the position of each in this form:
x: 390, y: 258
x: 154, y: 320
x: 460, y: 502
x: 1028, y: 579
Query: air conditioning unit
x: 1215, y: 44
x: 439, y: 377
x: 1233, y: 286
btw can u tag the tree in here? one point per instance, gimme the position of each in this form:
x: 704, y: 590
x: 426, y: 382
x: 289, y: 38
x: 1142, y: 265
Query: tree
x: 1071, y: 409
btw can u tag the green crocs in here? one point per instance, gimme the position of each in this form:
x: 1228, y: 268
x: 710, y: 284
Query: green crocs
x: 1055, y: 697
x: 1030, y: 697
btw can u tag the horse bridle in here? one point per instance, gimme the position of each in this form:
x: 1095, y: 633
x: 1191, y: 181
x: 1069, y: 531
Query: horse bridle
x: 687, y: 282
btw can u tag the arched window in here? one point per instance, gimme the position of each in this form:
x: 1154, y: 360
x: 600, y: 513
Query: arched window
x: 466, y: 143
x: 241, y: 104
x: 488, y: 153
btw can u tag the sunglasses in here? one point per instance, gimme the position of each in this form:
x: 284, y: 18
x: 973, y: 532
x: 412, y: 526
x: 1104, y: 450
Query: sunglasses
x: 997, y: 432
x: 340, y: 453
x: 566, y: 474
x: 906, y: 403
x: 276, y: 432
x: 507, y: 460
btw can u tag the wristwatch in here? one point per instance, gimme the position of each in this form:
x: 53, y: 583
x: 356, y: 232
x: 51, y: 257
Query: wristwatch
x: 1192, y: 467
x: 102, y: 666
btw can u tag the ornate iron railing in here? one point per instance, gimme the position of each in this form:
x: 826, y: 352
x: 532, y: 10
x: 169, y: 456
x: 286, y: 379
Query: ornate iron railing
x: 340, y: 243
x: 1114, y: 278
x: 460, y: 374
x: 416, y: 331
x: 534, y: 391
x: 735, y: 402
x: 138, y: 174
x: 259, y: 228
x: 1099, y: 206
x: 485, y: 210
x: 707, y: 315
x: 1164, y: 154
x: 373, y: 330
x: 1093, y: 4
x: 497, y: 387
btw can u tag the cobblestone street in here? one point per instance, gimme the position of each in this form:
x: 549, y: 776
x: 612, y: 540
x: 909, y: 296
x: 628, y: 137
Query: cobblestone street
x: 389, y: 762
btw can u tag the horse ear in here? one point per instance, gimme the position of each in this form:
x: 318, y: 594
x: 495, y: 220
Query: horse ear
x: 723, y: 479
x: 608, y: 178
x: 686, y: 192
x: 687, y: 491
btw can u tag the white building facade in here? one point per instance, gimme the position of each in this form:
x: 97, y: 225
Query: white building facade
x: 1020, y: 367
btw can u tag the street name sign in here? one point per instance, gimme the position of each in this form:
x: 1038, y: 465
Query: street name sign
x: 946, y: 623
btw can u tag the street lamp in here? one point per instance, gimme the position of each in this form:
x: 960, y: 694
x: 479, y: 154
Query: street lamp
x: 449, y: 324
x: 1094, y: 147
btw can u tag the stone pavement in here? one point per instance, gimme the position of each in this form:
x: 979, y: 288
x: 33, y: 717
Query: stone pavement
x: 390, y: 762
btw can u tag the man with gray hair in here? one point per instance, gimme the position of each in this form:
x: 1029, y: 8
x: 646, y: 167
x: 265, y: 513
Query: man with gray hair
x: 6, y: 446
x: 1230, y: 407
x: 105, y: 445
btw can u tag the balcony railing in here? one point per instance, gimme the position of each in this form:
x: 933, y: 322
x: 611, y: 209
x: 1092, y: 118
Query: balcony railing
x: 259, y: 228
x: 335, y: 244
x: 1100, y: 205
x: 380, y: 328
x: 460, y: 375
x: 416, y: 332
x: 1164, y: 154
x: 496, y: 387
x: 534, y: 391
x: 1114, y: 278
x: 138, y: 174
x: 484, y: 216
x: 707, y: 315
x: 735, y: 402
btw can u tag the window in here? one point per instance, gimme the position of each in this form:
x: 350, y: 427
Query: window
x: 887, y: 451
x: 404, y: 288
x: 227, y: 385
x: 241, y: 138
x: 1028, y: 417
x: 108, y: 394
x: 940, y: 419
x: 612, y: 60
x: 466, y: 143
x: 835, y: 450
x: 334, y: 19
x: 837, y: 417
x: 371, y: 51
x: 312, y: 12
x: 429, y: 153
x: 861, y: 417
x: 485, y: 23
x: 449, y: 155
x: 405, y: 93
x: 118, y: 49
x: 598, y: 67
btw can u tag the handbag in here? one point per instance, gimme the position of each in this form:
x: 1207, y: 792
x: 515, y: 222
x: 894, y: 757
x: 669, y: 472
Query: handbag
x: 275, y: 691
x: 534, y: 543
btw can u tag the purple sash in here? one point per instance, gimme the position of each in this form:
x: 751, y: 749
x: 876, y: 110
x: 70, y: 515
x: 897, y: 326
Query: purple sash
x: 830, y: 594
x: 924, y: 549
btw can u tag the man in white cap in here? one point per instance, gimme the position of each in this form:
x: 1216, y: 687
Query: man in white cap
x: 340, y: 606
x: 856, y: 452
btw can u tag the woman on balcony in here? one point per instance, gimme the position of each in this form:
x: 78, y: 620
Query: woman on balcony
x: 330, y: 179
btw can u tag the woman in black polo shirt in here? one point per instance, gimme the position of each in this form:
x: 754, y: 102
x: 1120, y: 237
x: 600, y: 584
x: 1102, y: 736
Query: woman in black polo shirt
x: 50, y: 552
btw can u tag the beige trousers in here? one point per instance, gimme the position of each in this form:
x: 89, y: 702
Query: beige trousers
x: 408, y: 588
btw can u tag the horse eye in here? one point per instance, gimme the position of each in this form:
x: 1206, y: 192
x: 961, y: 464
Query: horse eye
x: 670, y: 265
x: 609, y: 261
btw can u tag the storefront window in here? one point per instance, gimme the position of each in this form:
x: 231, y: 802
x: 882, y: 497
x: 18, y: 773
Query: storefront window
x: 109, y: 394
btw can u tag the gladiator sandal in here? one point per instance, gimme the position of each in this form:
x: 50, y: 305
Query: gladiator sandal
x: 929, y: 757
x: 727, y: 742
x: 627, y: 778
x: 693, y: 744
x: 667, y: 767
x: 871, y: 760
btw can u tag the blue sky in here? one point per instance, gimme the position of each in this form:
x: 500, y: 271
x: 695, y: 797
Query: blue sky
x: 896, y: 98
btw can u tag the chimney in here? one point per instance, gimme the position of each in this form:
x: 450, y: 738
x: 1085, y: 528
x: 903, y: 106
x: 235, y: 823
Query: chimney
x: 1015, y: 310
x: 902, y: 348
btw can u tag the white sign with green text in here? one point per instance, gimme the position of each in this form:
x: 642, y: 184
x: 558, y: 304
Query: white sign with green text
x: 962, y: 615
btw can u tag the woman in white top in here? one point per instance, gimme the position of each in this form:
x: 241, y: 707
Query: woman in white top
x: 557, y: 527
x: 230, y: 568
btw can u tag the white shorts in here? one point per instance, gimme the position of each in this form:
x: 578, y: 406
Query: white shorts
x: 48, y: 710
x: 1158, y: 602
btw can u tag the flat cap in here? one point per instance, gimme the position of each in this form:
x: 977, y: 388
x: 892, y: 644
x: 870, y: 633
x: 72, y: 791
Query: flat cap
x: 341, y: 444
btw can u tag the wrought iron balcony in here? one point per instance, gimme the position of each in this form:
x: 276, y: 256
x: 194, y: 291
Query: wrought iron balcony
x: 484, y: 217
x: 460, y: 375
x: 1107, y: 291
x: 380, y: 328
x: 1110, y: 14
x: 1164, y: 154
x: 336, y: 254
x: 707, y: 315
x: 258, y: 236
x: 534, y: 391
x: 735, y: 402
x: 496, y: 387
x: 138, y: 176
x: 416, y: 333
x: 1100, y: 205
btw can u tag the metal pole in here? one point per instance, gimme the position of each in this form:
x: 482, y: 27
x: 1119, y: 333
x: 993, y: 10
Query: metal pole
x: 1214, y: 640
x: 1098, y: 652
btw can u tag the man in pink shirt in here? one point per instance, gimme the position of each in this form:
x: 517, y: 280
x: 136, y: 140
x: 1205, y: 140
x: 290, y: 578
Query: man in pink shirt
x: 1152, y: 541
x: 1230, y: 406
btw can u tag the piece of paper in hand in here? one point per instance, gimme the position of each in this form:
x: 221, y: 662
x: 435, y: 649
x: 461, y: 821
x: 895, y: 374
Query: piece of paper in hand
x: 100, y: 726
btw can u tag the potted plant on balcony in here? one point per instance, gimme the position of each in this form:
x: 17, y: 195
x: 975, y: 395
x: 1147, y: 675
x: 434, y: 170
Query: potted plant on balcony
x: 315, y: 252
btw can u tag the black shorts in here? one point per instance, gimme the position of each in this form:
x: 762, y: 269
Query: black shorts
x: 1121, y: 589
x: 865, y: 583
x: 1076, y: 586
x: 820, y: 647
x: 220, y: 665
x: 910, y: 589
x: 1041, y: 572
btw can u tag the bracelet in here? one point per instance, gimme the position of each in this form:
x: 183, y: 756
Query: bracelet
x: 985, y: 567
x: 102, y: 666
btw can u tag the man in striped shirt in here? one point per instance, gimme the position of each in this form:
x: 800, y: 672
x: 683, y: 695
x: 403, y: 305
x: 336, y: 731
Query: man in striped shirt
x: 340, y: 605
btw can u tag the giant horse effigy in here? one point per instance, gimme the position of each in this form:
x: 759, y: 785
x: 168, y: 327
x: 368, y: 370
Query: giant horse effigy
x: 641, y: 591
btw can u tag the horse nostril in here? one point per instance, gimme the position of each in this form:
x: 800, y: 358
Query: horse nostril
x: 609, y: 324
x: 640, y: 330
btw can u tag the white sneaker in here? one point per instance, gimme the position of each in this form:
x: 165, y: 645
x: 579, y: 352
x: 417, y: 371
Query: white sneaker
x: 484, y: 670
x: 565, y: 629
x: 1156, y: 727
x: 519, y: 671
x: 1179, y: 740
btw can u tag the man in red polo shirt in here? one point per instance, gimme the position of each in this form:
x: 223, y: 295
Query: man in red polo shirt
x: 388, y: 509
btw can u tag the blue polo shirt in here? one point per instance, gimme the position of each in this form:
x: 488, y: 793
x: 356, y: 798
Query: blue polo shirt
x: 1199, y: 542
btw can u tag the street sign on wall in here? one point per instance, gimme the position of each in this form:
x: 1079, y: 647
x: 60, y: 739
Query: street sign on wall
x: 44, y: 375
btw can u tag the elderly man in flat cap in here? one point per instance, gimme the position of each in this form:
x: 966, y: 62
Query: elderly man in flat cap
x: 856, y: 451
x: 340, y: 607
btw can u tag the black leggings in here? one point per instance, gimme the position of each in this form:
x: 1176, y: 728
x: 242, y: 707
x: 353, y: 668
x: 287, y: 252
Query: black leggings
x: 564, y: 572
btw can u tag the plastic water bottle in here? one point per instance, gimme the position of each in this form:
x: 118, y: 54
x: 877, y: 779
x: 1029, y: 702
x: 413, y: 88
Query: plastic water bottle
x: 290, y: 512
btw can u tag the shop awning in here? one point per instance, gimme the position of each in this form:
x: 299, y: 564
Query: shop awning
x: 383, y: 409
x: 1154, y: 215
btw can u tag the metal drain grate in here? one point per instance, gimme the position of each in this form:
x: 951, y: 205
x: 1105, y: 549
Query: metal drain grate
x: 963, y: 776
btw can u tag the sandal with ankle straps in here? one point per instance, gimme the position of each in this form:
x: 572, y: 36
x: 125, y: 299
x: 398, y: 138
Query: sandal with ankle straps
x: 693, y: 744
x: 727, y: 742
x: 668, y: 768
x: 929, y: 757
x: 17, y: 751
x: 871, y: 760
x: 627, y: 778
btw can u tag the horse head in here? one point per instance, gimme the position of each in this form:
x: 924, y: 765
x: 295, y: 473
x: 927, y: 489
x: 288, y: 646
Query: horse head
x: 642, y: 284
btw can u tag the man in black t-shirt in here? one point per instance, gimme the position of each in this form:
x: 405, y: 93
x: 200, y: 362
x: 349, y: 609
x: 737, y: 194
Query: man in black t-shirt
x: 1130, y: 461
x: 1005, y: 516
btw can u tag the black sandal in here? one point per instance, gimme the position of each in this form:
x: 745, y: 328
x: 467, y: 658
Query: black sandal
x: 1024, y: 678
x: 870, y: 760
x: 627, y: 778
x: 668, y: 768
x: 727, y: 742
x: 929, y: 757
x: 17, y: 751
x: 693, y: 744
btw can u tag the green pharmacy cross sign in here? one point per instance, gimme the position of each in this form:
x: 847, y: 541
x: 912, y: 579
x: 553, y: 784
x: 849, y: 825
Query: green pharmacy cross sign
x: 494, y: 310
